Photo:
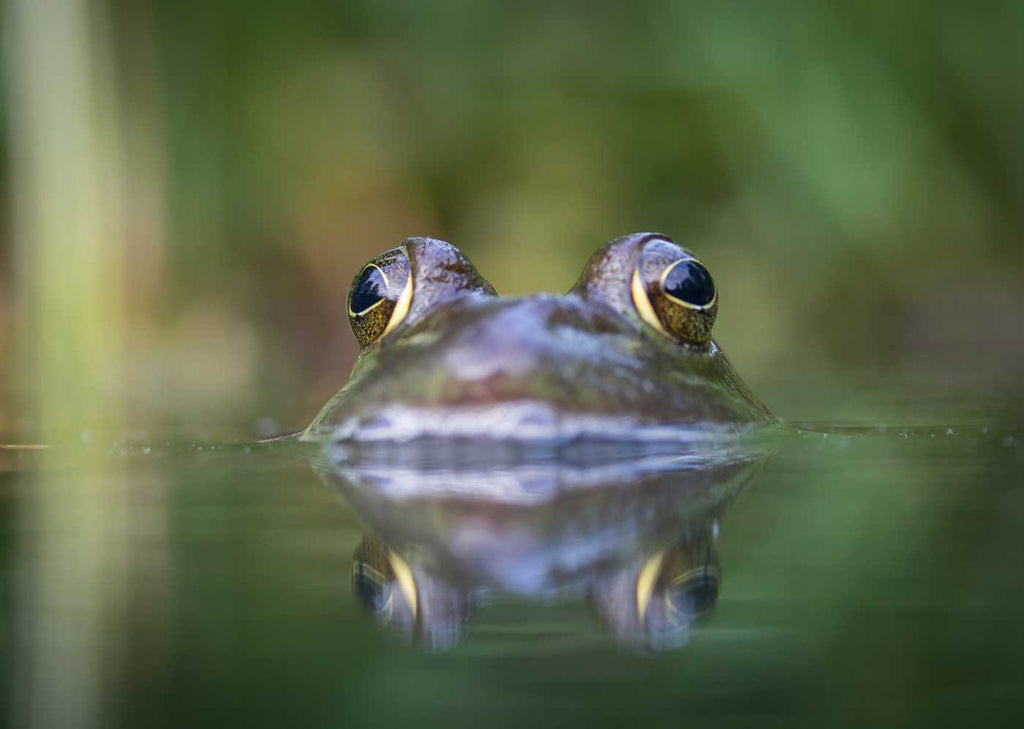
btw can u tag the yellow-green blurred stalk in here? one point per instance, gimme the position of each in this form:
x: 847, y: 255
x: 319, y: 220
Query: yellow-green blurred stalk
x: 67, y: 178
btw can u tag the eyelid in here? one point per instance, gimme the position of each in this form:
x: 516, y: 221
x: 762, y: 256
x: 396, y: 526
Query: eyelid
x: 401, y: 308
x: 643, y: 305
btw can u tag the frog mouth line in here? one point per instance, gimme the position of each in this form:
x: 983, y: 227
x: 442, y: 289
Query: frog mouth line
x: 521, y: 422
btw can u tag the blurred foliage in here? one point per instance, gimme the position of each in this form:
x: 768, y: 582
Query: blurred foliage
x: 852, y: 173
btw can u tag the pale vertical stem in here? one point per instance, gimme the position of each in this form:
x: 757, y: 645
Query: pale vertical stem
x: 66, y: 176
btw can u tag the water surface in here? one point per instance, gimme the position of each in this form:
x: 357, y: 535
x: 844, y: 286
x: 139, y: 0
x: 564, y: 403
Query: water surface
x: 865, y: 578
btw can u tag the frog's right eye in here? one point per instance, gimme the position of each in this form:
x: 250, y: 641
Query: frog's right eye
x: 674, y: 293
x: 379, y: 297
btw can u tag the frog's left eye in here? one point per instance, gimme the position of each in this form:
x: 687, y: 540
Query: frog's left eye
x: 379, y: 297
x: 384, y: 583
x: 674, y: 293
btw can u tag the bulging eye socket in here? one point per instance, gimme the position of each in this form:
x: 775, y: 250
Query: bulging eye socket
x: 674, y: 293
x: 379, y: 297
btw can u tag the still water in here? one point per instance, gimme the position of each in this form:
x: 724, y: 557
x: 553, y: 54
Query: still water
x: 867, y: 577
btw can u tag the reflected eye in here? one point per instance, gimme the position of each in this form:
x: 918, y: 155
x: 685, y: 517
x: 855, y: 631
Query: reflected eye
x: 371, y: 587
x: 693, y: 593
x: 674, y: 293
x: 379, y: 297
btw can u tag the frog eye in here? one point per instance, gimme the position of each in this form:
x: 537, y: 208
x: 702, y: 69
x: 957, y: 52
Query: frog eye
x: 693, y: 593
x: 379, y: 297
x: 372, y: 587
x: 674, y: 293
x: 383, y: 582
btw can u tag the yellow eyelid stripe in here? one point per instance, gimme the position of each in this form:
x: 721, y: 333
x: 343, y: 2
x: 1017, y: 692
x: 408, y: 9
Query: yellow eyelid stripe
x: 668, y: 270
x: 643, y: 305
x: 645, y: 583
x: 406, y: 581
x: 387, y: 285
x: 401, y: 306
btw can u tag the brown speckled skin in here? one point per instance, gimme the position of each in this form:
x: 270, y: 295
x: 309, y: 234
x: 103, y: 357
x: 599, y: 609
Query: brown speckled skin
x: 585, y: 354
x: 440, y: 272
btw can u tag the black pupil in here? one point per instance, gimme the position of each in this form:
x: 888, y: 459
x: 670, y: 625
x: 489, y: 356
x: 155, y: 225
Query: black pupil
x: 371, y: 587
x: 369, y: 289
x: 690, y: 282
x: 696, y: 596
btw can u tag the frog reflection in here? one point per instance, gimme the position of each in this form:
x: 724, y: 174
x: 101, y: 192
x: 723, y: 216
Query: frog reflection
x: 655, y: 604
x: 633, y: 536
x: 413, y: 602
x: 647, y: 605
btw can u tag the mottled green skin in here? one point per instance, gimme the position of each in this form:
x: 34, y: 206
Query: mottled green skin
x: 585, y: 357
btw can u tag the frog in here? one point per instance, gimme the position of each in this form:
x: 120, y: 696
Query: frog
x: 626, y: 353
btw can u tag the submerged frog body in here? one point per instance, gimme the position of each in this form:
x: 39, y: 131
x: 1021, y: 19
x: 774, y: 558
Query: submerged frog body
x: 627, y: 353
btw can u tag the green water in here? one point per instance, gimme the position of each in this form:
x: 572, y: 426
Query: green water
x: 867, y: 578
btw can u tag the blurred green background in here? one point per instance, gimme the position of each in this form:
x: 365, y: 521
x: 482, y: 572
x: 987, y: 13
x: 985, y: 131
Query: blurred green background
x: 852, y: 173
